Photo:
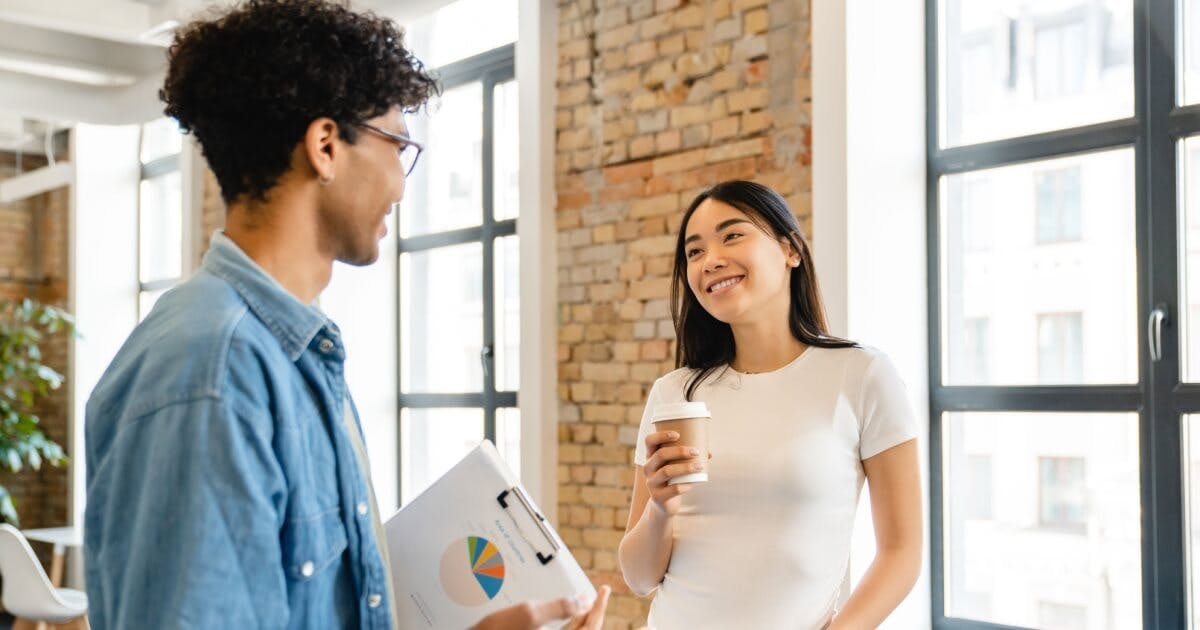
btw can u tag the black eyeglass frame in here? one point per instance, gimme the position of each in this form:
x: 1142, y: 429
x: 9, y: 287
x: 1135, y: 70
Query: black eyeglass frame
x: 400, y: 139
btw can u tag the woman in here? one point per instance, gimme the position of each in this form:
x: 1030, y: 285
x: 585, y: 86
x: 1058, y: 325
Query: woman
x: 799, y: 420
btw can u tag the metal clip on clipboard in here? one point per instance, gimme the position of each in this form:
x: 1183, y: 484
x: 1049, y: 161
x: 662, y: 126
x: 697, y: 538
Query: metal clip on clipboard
x: 538, y: 520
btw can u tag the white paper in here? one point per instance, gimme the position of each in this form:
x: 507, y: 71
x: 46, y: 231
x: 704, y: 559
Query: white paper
x: 457, y: 555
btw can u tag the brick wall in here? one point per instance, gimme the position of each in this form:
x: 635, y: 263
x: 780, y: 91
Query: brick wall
x: 657, y: 99
x: 33, y: 264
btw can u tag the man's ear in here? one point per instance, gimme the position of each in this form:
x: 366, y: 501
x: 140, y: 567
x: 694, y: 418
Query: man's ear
x: 320, y: 147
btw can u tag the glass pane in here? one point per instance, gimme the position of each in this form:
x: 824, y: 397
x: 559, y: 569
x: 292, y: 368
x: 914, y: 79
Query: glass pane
x: 432, y: 441
x: 462, y: 29
x: 160, y: 228
x: 1189, y: 59
x: 505, y: 154
x: 508, y: 437
x: 1042, y: 519
x: 160, y: 139
x: 1191, y: 498
x: 1015, y: 67
x: 441, y: 320
x: 147, y: 300
x: 1189, y: 330
x: 445, y: 192
x: 508, y: 315
x: 1038, y: 273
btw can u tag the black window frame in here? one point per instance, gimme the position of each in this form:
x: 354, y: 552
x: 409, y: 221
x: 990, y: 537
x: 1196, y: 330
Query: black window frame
x: 1159, y: 399
x: 490, y: 68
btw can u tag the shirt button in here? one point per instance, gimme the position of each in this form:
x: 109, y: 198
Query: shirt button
x: 374, y: 600
x: 362, y: 508
x: 325, y: 345
x: 307, y: 569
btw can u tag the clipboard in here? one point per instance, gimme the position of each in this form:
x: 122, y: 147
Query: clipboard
x: 474, y: 542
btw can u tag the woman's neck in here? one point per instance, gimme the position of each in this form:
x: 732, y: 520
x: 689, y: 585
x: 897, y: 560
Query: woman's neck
x: 762, y: 347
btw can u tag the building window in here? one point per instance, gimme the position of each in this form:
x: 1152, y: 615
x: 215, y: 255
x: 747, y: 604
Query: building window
x: 458, y: 293
x: 1059, y: 201
x: 1061, y: 493
x: 160, y: 213
x: 1059, y: 60
x: 1060, y: 348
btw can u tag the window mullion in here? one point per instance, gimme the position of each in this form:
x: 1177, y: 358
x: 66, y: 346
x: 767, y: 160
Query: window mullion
x: 1163, y: 549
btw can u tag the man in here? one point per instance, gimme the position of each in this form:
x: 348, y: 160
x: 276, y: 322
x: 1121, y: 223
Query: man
x: 227, y: 480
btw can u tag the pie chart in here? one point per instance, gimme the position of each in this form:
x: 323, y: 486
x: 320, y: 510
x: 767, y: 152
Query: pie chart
x: 472, y: 571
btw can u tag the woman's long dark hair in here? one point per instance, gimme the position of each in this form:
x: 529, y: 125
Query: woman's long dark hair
x: 704, y: 343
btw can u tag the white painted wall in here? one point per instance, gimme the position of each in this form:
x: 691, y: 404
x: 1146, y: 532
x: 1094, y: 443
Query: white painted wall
x: 869, y: 207
x: 537, y: 41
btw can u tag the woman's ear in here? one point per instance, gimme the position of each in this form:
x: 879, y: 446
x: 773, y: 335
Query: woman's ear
x: 790, y: 253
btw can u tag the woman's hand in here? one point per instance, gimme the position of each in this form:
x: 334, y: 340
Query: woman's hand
x: 662, y: 463
x: 533, y: 615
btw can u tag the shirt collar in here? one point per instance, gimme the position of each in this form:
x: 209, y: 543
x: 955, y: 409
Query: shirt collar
x: 293, y: 323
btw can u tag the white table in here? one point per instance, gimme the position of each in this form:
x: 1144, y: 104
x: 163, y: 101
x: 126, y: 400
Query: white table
x: 61, y: 538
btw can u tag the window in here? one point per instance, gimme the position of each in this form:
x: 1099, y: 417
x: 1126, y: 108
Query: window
x: 1095, y: 220
x: 1060, y: 348
x: 458, y: 293
x: 1058, y: 205
x: 160, y: 213
x: 1061, y: 492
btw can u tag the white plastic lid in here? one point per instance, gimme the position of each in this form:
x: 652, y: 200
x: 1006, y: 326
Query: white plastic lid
x: 675, y: 411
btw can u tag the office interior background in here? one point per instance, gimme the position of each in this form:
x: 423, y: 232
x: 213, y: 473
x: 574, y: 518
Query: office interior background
x: 1001, y: 194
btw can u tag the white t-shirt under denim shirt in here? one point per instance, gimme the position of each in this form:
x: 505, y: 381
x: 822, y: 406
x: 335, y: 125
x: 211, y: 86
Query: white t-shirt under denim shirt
x: 765, y: 543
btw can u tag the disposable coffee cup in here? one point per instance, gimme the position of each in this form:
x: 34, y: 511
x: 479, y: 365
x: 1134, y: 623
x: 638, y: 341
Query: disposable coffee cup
x: 690, y: 421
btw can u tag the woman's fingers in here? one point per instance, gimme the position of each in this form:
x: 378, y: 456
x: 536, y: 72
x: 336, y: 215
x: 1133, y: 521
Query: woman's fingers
x: 657, y: 439
x: 660, y: 479
x: 668, y: 454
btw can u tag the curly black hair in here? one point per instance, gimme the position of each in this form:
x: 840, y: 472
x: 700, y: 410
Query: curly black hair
x: 248, y: 83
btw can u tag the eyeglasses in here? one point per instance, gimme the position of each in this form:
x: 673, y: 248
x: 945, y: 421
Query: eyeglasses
x: 409, y: 149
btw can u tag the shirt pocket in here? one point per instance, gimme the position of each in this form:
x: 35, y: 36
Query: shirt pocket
x: 311, y: 545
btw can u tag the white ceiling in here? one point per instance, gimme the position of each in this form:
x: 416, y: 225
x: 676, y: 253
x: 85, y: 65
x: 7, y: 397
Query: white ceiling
x: 101, y: 61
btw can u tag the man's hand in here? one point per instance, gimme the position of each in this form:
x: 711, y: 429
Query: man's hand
x: 532, y: 615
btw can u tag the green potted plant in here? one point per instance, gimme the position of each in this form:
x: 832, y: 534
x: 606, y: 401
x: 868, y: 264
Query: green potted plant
x: 24, y: 380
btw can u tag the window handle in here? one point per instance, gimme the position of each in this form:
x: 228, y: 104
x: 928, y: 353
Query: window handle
x: 485, y: 359
x: 1154, y: 331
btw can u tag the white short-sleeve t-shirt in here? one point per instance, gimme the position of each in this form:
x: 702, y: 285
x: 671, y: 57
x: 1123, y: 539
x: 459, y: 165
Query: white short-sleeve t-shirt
x: 765, y: 543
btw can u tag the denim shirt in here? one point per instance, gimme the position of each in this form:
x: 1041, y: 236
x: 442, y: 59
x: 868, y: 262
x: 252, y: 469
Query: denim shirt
x: 223, y: 489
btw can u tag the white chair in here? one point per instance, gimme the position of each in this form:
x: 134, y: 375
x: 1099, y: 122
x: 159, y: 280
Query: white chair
x: 28, y: 593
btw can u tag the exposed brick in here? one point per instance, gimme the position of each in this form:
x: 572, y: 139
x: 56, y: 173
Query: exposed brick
x: 657, y: 100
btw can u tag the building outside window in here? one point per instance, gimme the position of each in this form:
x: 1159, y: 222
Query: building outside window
x: 1060, y: 60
